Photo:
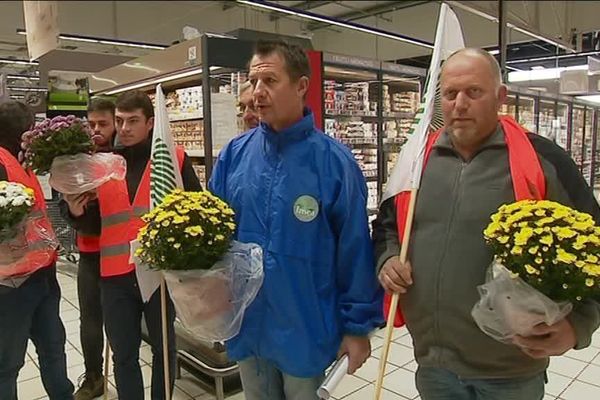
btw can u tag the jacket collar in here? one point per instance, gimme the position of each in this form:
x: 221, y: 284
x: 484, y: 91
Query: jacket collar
x: 296, y: 132
x: 494, y: 140
x: 137, y: 151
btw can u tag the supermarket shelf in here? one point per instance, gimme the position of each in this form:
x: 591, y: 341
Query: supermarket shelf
x: 398, y: 115
x: 350, y: 114
x: 359, y: 141
x: 185, y: 117
x: 370, y: 174
x: 396, y: 140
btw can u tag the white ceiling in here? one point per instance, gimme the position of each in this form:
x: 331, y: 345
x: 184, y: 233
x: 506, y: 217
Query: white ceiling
x: 162, y: 22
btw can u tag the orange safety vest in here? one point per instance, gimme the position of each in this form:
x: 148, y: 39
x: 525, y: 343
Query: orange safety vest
x: 39, y: 254
x: 88, y: 243
x: 122, y: 220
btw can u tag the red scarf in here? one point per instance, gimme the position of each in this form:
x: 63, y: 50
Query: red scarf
x: 525, y: 170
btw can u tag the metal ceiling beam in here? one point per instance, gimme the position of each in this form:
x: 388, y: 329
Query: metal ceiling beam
x: 369, y: 12
x: 303, y: 6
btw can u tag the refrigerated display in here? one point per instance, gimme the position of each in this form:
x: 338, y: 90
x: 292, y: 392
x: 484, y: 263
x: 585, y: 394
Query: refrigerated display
x: 561, y: 125
x: 587, y: 145
x: 577, y: 128
x: 526, y: 112
x: 546, y: 121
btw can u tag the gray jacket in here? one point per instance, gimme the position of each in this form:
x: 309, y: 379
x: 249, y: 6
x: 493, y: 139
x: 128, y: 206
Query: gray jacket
x: 449, y: 256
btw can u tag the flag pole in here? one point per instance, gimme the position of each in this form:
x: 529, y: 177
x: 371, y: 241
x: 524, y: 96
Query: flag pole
x: 106, y: 365
x: 165, y: 341
x: 389, y: 328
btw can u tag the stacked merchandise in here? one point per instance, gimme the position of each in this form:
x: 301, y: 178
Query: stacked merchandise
x: 200, y: 171
x: 577, y: 136
x: 546, y: 120
x: 185, y: 103
x: 350, y: 98
x: 188, y: 134
x: 588, y: 147
x: 372, y: 198
x: 526, y: 114
x: 508, y: 109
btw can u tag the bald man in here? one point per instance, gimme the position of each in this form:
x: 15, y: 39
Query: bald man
x: 466, y: 178
x: 248, y: 113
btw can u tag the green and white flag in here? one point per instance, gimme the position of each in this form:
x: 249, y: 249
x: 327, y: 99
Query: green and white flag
x: 164, y: 177
x: 164, y: 169
x: 406, y: 174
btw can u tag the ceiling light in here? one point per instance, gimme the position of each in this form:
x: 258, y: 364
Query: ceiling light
x: 115, y: 42
x: 27, y: 89
x: 344, y: 24
x: 559, y: 56
x: 24, y: 77
x: 541, y: 74
x: 595, y: 98
x: 20, y: 62
x: 494, y: 52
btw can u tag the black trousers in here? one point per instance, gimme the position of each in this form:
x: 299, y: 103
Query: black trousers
x: 123, y: 309
x: 90, y: 308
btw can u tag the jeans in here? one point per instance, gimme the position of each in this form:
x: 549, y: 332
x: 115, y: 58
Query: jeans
x: 441, y: 384
x: 123, y: 309
x: 90, y: 308
x: 32, y: 311
x: 262, y: 380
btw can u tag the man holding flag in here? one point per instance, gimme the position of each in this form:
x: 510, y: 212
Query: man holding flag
x: 463, y: 173
x: 117, y: 221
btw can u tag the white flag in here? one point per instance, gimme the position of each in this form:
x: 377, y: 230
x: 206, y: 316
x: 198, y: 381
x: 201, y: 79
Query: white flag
x: 406, y: 174
x: 164, y: 177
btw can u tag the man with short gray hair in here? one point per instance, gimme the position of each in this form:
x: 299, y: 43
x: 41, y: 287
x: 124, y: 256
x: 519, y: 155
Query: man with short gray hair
x: 468, y: 175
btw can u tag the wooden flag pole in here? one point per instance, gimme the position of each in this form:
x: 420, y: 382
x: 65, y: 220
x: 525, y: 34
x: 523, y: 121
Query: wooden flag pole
x: 106, y: 365
x: 389, y: 329
x: 165, y: 341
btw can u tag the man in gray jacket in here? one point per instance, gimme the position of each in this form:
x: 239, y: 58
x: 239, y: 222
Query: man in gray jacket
x: 466, y: 179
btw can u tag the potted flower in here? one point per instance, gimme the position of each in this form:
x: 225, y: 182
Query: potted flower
x: 65, y: 147
x: 211, y: 278
x: 546, y: 261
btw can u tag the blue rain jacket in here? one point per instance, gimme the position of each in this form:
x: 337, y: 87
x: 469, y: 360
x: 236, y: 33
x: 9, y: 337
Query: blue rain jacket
x: 320, y: 281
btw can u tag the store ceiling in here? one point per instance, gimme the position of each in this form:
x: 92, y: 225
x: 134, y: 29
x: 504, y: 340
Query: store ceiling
x: 162, y: 22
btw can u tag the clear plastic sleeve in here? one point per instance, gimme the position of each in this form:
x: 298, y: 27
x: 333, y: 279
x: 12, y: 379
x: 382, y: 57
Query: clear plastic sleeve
x: 84, y: 172
x: 508, y: 306
x: 211, y: 303
x: 31, y: 247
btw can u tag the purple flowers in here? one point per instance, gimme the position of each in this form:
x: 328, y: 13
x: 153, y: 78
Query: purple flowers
x: 50, y: 138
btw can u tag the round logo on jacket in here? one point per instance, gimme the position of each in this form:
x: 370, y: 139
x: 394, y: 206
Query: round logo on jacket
x: 306, y: 208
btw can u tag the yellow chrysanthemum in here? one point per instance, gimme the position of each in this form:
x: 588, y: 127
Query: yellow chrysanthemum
x: 565, y: 257
x: 531, y: 270
x: 589, y: 282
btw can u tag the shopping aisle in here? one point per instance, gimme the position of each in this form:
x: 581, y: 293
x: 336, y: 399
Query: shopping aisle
x: 575, y: 376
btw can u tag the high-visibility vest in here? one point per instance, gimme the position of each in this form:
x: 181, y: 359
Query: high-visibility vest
x: 39, y: 254
x: 88, y: 243
x: 121, y: 220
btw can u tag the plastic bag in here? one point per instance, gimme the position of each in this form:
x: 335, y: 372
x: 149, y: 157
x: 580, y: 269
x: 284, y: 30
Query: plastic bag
x: 211, y: 303
x: 31, y: 247
x: 509, y: 306
x: 84, y: 172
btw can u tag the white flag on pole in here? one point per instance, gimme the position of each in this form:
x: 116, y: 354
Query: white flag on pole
x: 164, y: 177
x: 406, y: 174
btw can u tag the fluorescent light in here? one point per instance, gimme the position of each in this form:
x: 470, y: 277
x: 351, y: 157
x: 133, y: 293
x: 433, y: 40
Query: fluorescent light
x: 541, y: 74
x: 508, y: 24
x: 595, y: 98
x: 20, y: 62
x: 114, y: 42
x: 494, y: 52
x: 349, y: 25
x: 559, y: 56
x: 27, y: 89
x: 168, y: 78
x: 538, y: 67
x: 17, y: 96
x: 24, y: 77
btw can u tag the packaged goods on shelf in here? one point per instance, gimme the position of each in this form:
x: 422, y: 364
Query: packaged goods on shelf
x: 188, y: 134
x: 200, y: 171
x: 372, y: 195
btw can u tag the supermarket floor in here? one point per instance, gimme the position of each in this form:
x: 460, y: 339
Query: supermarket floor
x: 575, y: 376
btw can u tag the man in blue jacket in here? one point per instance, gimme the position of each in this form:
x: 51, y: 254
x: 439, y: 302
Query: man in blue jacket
x: 300, y: 195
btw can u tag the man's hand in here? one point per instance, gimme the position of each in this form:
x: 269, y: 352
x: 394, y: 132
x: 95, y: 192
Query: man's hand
x: 78, y: 202
x: 396, y: 277
x: 358, y: 349
x: 546, y: 341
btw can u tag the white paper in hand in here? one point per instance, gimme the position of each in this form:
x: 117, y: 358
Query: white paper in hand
x: 333, y: 378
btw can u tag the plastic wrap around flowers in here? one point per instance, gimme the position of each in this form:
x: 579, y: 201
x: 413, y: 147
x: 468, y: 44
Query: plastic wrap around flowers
x: 211, y: 278
x: 547, y: 257
x: 64, y: 146
x: 25, y: 243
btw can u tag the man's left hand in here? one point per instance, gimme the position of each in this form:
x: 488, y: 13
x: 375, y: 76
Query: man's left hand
x: 358, y: 349
x: 546, y: 341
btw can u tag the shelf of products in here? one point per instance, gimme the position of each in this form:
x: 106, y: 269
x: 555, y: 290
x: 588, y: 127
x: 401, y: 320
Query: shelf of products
x: 577, y: 135
x: 526, y: 112
x: 546, y: 119
x: 596, y: 183
x: 562, y: 127
x: 587, y: 145
x: 350, y: 106
x: 510, y: 106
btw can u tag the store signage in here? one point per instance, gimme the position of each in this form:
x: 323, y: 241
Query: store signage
x: 403, y: 69
x: 350, y: 61
x: 41, y: 23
